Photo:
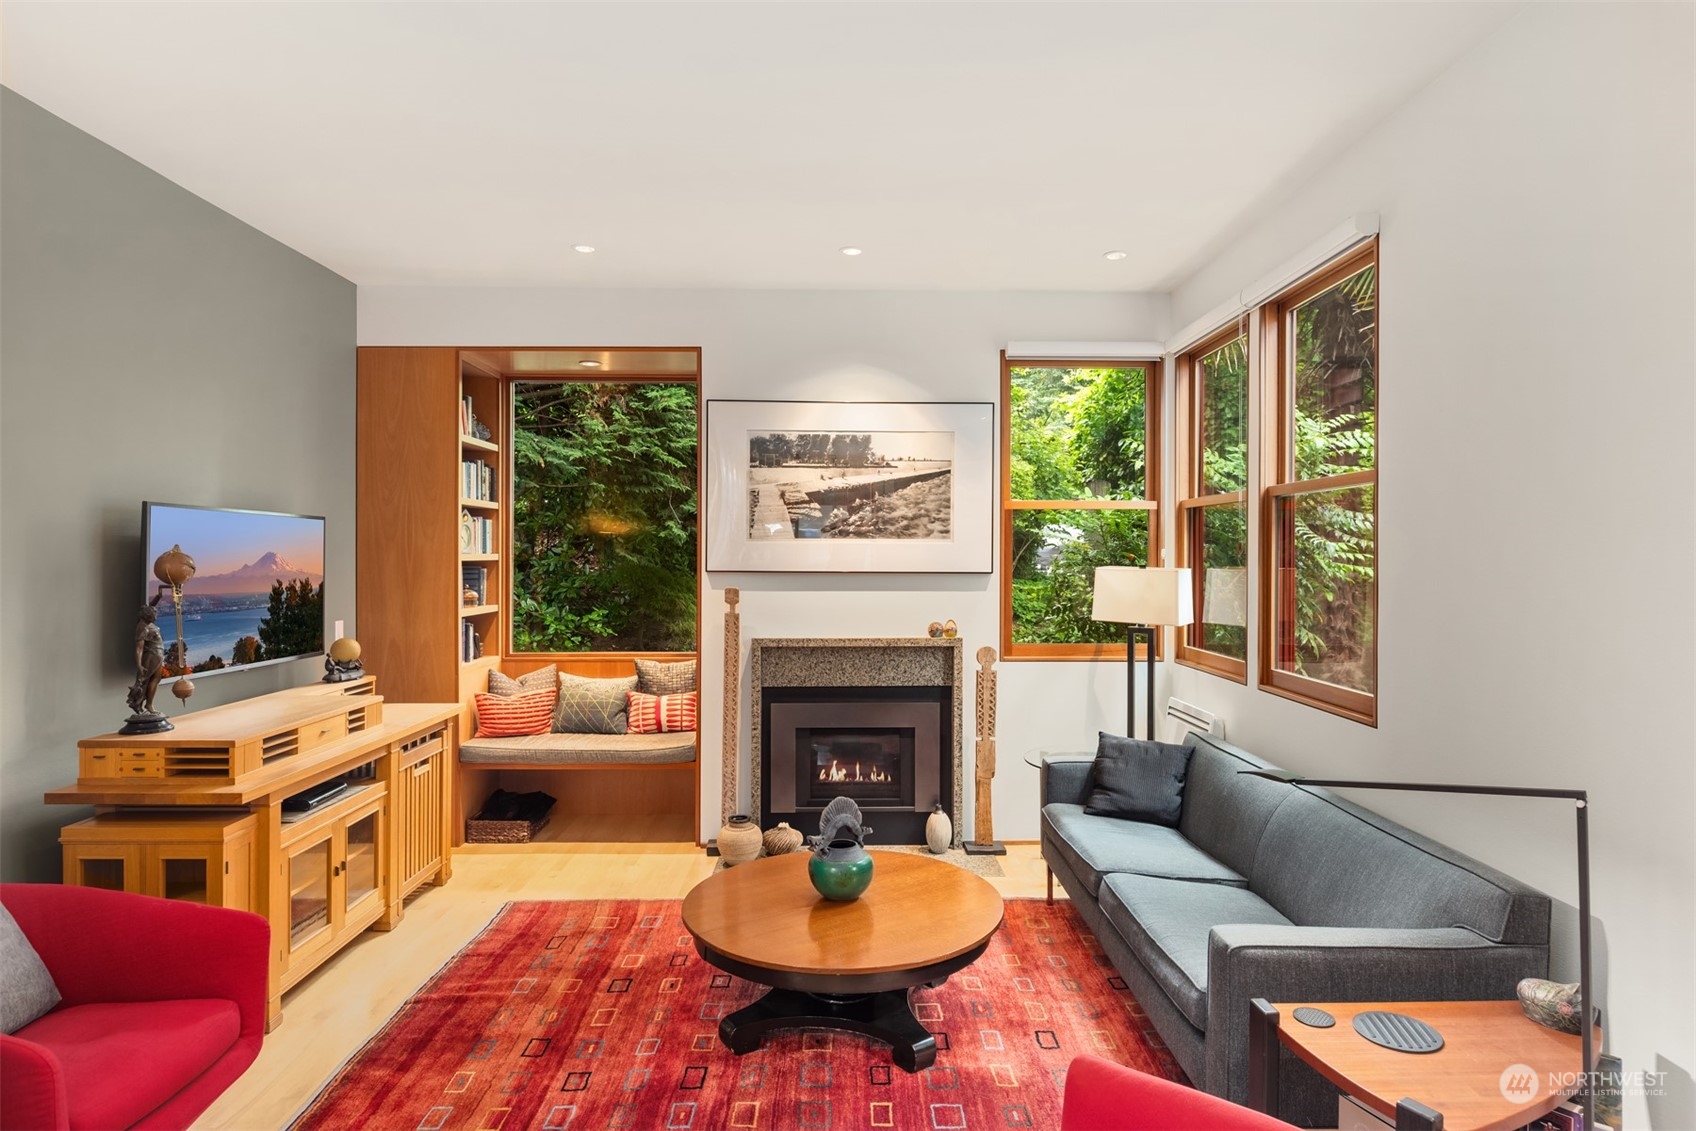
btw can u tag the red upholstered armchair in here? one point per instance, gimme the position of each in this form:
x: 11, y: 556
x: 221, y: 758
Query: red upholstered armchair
x: 163, y: 1007
x: 1103, y: 1096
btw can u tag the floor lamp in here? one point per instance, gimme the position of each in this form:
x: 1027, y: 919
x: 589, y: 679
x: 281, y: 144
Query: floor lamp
x: 1139, y: 599
x: 1581, y: 801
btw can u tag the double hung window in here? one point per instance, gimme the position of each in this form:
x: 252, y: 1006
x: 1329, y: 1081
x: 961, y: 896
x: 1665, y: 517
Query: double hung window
x: 1213, y: 505
x: 1319, y: 595
x: 1081, y: 483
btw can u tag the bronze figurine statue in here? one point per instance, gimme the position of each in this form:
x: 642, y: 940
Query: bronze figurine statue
x: 149, y: 670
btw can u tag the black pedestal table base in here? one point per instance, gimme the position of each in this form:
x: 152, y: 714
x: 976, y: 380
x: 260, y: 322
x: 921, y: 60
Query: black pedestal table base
x: 885, y: 1017
x: 872, y: 1005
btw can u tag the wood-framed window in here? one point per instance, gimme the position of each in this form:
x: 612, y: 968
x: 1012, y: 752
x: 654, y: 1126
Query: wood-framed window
x: 1079, y: 446
x: 1319, y: 590
x: 1212, y: 485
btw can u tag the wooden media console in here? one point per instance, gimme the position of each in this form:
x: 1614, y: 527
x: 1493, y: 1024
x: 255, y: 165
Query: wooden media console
x: 197, y: 813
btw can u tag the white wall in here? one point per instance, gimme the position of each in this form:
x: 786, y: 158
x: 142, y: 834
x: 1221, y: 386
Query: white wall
x: 1538, y: 569
x: 830, y: 345
x: 1538, y: 558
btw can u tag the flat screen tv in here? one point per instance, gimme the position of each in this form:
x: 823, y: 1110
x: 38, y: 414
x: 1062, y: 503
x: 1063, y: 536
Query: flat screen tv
x: 257, y: 595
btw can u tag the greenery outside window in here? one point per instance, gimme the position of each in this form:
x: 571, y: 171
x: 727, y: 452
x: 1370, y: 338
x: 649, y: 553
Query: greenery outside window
x: 1212, y: 528
x: 604, y: 516
x: 1082, y: 474
x: 1319, y: 595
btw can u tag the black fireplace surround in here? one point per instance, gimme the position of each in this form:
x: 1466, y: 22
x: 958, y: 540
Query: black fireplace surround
x: 886, y: 747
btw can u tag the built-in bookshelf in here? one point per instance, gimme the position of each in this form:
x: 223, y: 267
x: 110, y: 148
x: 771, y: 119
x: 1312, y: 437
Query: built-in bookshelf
x: 432, y: 491
x: 481, y: 412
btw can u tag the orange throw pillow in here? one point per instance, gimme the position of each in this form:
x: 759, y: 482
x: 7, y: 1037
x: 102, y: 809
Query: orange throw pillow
x: 508, y: 716
x: 656, y: 714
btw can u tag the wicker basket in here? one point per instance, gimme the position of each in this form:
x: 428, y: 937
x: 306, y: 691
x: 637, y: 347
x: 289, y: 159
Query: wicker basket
x: 502, y: 832
x: 509, y: 818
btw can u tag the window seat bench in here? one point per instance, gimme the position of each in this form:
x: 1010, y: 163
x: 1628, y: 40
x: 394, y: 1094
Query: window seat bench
x: 544, y: 751
x: 638, y: 788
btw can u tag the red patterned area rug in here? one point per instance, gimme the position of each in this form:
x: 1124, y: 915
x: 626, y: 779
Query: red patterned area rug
x: 584, y: 1015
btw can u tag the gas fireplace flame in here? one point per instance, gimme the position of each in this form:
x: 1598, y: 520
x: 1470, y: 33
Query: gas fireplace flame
x: 836, y: 771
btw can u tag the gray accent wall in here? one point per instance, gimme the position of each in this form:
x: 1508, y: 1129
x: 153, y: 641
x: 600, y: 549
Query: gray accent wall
x: 152, y: 346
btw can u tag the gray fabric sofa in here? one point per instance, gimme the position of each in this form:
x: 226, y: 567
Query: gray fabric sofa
x: 1285, y: 892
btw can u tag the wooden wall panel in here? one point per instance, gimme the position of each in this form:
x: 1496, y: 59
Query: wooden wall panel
x: 408, y: 543
x: 633, y: 790
x: 583, y: 664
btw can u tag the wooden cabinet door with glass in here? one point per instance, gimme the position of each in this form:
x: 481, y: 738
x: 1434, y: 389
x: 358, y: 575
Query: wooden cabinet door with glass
x: 335, y: 878
x: 199, y: 857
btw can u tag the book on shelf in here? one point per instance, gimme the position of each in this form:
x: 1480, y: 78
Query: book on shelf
x: 476, y: 480
x: 476, y: 533
x: 466, y: 417
x: 470, y: 643
x: 475, y: 579
x: 1568, y: 1116
x: 1353, y: 1115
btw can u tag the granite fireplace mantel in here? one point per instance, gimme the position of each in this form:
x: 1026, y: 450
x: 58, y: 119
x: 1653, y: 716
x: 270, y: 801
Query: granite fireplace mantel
x: 869, y: 662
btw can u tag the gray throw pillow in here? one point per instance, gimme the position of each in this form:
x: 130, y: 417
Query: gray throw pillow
x: 593, y: 706
x: 1143, y: 781
x: 539, y: 680
x: 26, y: 988
x: 656, y: 678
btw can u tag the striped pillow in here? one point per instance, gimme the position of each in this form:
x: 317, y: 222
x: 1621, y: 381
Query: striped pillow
x: 507, y: 716
x: 655, y: 714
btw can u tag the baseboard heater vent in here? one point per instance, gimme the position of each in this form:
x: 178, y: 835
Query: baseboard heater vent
x: 1182, y: 717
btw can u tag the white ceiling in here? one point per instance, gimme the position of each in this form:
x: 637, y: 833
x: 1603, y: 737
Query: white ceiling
x: 962, y: 145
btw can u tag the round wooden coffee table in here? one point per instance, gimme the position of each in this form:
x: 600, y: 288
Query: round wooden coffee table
x: 841, y: 965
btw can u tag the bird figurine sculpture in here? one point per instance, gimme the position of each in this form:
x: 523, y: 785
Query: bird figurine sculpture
x: 840, y: 821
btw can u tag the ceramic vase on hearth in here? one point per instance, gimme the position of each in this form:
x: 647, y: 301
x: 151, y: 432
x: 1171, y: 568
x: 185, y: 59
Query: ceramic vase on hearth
x: 841, y: 870
x: 939, y: 830
x: 739, y: 841
x: 782, y: 840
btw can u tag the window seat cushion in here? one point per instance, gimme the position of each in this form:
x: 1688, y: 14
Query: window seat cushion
x: 556, y: 749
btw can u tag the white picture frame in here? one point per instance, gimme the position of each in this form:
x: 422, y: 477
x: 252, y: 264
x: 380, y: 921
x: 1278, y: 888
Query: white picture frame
x: 850, y: 486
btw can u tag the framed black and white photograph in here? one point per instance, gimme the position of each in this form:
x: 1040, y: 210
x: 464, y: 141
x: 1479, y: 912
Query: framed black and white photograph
x: 850, y: 487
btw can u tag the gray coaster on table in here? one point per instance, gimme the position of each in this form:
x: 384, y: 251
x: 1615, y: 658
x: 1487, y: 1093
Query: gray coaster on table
x: 1317, y: 1018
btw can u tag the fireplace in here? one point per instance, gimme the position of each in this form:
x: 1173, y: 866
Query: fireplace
x: 871, y: 765
x: 855, y: 723
x: 881, y: 746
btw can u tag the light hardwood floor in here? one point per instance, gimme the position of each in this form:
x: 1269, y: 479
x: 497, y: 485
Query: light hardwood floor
x: 334, y: 1011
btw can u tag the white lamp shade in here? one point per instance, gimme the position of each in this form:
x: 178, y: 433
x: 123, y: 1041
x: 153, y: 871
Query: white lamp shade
x: 1129, y: 595
x: 1225, y: 596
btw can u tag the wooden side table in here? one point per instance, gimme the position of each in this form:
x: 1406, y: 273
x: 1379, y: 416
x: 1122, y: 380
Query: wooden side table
x: 1464, y: 1086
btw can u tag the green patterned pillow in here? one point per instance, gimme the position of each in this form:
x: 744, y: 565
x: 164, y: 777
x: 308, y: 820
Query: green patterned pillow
x: 655, y: 678
x: 593, y: 706
x: 539, y: 680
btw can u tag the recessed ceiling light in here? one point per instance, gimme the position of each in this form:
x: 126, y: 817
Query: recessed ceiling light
x: 850, y: 251
x: 587, y: 363
x: 583, y: 247
x: 1113, y: 255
